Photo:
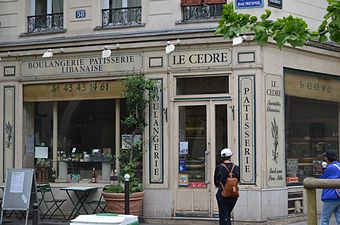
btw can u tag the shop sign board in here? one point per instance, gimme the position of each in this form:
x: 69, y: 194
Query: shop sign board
x: 80, y: 90
x: 313, y: 87
x: 156, y: 136
x: 275, y: 131
x: 244, y: 4
x: 247, y: 143
x: 82, y: 65
x: 275, y: 3
x: 200, y: 58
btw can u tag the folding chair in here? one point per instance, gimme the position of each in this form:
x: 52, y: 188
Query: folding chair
x: 50, y: 202
x: 97, y: 204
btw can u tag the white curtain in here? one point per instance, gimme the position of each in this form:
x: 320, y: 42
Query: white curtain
x: 58, y: 6
x: 124, y: 3
x: 40, y: 7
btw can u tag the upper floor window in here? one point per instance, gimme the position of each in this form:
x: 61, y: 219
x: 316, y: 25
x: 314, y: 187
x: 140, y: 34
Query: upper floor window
x: 194, y: 10
x: 47, y: 15
x: 121, y: 12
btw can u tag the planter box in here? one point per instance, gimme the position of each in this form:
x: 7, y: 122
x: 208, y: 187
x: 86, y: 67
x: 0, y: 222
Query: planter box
x: 210, y: 2
x: 191, y: 2
x: 115, y: 202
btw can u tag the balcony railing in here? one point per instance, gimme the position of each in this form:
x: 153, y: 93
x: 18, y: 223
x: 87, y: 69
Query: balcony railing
x: 201, y: 12
x: 45, y: 23
x: 121, y: 16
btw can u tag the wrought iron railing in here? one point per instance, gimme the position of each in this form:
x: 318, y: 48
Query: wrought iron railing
x: 121, y: 16
x: 201, y: 12
x: 45, y: 23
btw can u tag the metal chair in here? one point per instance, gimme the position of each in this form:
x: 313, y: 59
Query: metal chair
x: 50, y: 202
x: 97, y: 204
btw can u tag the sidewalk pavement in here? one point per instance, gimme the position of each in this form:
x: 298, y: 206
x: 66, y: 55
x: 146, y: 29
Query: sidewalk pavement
x: 14, y: 221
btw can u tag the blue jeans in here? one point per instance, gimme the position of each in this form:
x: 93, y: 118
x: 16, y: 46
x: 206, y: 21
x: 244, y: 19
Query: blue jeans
x: 328, y: 208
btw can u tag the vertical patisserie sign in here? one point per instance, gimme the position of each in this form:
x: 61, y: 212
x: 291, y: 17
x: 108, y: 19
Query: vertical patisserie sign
x: 246, y: 101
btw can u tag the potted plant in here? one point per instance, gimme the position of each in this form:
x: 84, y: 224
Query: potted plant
x: 138, y: 93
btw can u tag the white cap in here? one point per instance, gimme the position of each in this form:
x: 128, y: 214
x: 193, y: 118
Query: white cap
x: 324, y: 164
x: 226, y: 152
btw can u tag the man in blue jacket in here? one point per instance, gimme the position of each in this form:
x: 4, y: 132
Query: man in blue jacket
x: 330, y: 198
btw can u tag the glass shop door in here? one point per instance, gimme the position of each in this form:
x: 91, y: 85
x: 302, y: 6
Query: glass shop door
x: 201, y: 130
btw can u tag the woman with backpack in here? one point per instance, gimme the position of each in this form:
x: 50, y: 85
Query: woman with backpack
x: 226, y: 195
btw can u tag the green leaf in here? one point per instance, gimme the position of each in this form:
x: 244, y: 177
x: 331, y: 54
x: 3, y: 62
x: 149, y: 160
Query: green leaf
x: 263, y: 16
x: 253, y: 19
x: 327, y: 16
x: 289, y: 26
x: 335, y: 36
x: 268, y: 12
x: 244, y: 29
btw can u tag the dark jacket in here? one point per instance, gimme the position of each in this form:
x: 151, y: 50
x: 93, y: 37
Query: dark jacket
x: 331, y: 172
x: 221, y: 175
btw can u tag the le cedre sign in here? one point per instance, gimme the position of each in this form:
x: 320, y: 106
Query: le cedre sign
x: 200, y: 58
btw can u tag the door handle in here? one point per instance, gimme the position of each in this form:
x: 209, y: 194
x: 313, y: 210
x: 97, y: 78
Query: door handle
x: 206, y: 169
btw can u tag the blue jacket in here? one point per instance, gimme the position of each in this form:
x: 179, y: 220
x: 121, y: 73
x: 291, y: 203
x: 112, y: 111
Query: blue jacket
x: 331, y: 172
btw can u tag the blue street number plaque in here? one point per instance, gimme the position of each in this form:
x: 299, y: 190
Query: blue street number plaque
x: 80, y: 13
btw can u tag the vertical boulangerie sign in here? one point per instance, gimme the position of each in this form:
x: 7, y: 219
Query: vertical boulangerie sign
x: 156, y: 136
x: 8, y: 128
x: 246, y: 100
x: 275, y: 131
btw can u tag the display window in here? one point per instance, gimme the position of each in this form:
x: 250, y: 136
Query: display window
x: 80, y: 134
x: 312, y: 128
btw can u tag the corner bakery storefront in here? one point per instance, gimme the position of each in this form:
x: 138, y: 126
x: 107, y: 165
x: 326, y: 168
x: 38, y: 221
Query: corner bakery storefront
x: 70, y: 109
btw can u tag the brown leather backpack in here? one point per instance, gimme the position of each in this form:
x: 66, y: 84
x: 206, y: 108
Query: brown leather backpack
x: 230, y: 189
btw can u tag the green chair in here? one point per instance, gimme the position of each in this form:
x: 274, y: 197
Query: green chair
x: 97, y: 204
x: 51, y: 204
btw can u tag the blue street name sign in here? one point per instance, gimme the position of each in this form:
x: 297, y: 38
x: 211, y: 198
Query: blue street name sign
x: 243, y: 4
